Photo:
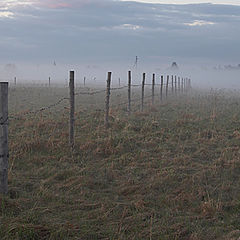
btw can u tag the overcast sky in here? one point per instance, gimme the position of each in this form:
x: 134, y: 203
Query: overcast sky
x: 226, y: 2
x: 41, y: 31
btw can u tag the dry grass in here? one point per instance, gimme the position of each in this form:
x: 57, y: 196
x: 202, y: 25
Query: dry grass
x: 171, y: 172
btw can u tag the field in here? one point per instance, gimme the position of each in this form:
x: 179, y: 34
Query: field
x: 169, y: 172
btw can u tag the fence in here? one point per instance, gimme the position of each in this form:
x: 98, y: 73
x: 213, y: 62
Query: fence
x: 174, y: 85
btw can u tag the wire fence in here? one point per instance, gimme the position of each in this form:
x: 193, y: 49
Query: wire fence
x: 172, y: 85
x: 165, y: 89
x: 175, y: 91
x: 177, y: 85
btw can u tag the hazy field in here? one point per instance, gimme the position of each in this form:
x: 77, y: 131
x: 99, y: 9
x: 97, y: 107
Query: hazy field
x: 170, y: 172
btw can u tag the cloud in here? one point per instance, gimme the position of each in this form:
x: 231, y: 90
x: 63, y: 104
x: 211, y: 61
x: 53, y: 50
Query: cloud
x: 224, y: 2
x: 6, y: 14
x: 128, y: 26
x: 16, y: 3
x: 56, y: 4
x: 199, y: 23
x: 73, y: 30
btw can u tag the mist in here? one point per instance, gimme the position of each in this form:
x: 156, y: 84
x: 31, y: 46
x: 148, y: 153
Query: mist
x: 203, y: 76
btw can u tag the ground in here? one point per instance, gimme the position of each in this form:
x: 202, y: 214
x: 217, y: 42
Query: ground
x: 169, y: 172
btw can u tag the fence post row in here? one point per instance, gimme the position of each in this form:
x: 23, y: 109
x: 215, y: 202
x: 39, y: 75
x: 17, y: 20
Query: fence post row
x: 108, y: 99
x: 4, y: 137
x: 153, y: 88
x: 129, y: 92
x: 143, y: 85
x: 72, y: 110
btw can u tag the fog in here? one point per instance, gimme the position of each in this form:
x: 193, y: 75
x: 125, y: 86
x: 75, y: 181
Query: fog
x: 203, y: 76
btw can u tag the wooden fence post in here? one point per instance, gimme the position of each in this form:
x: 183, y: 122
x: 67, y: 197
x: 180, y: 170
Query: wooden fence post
x: 175, y: 85
x: 182, y: 86
x: 72, y: 109
x: 49, y: 81
x: 186, y: 85
x: 15, y: 81
x: 84, y: 81
x: 108, y: 99
x: 129, y: 92
x: 4, y: 137
x: 167, y: 86
x: 179, y: 85
x: 143, y: 85
x: 119, y: 82
x: 153, y: 88
x: 172, y: 85
x: 161, y: 88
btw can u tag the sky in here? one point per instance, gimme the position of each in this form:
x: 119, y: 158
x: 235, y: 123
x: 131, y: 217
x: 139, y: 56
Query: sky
x: 228, y: 2
x: 74, y: 31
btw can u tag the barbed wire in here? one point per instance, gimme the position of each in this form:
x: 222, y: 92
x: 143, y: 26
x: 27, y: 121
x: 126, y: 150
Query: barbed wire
x: 136, y: 85
x: 132, y: 101
x: 89, y: 93
x: 118, y: 88
x: 100, y: 91
x: 18, y: 116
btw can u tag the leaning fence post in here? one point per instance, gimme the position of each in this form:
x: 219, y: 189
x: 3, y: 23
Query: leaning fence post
x: 153, y: 88
x: 129, y: 92
x: 161, y: 88
x: 143, y: 85
x: 108, y: 99
x: 167, y: 86
x: 72, y: 109
x: 4, y: 137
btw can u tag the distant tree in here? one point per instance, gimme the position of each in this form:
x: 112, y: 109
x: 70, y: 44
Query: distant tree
x: 174, y: 66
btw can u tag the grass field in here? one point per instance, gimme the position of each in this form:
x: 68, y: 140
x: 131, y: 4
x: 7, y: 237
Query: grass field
x: 170, y: 172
